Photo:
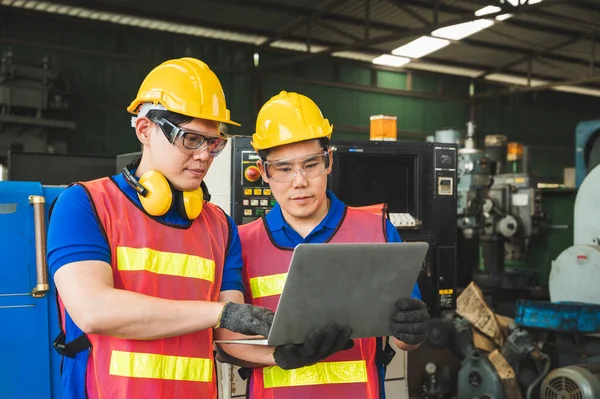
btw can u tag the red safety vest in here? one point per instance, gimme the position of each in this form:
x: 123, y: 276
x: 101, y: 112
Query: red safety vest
x: 163, y: 261
x: 347, y: 374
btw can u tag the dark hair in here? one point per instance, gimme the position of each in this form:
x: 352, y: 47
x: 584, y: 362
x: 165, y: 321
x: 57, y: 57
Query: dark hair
x: 173, y: 117
x: 323, y: 142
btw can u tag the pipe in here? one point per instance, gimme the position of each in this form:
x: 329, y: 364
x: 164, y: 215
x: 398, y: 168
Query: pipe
x: 540, y: 376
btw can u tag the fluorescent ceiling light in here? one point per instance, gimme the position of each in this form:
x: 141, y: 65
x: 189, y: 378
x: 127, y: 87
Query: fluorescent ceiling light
x: 296, y: 46
x: 390, y: 60
x: 521, y: 2
x: 122, y: 19
x: 503, y: 17
x: 421, y: 47
x: 487, y: 10
x: 460, y: 31
x: 449, y: 70
x: 353, y: 55
x: 511, y: 79
x: 578, y: 90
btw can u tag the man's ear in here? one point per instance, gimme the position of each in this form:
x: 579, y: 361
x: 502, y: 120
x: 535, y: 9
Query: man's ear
x: 330, y: 153
x: 261, y: 168
x: 143, y: 130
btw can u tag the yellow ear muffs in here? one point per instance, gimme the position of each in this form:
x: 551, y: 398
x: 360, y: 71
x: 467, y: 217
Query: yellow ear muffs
x: 190, y: 203
x: 156, y: 195
x: 159, y: 197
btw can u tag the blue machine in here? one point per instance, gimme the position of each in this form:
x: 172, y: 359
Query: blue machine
x: 587, y: 148
x: 29, y: 366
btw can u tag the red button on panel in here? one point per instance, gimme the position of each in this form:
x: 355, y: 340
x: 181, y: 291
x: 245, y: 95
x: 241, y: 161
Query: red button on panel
x: 252, y: 173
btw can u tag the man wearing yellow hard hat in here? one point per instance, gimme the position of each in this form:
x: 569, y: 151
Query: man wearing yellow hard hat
x: 292, y: 139
x: 141, y: 259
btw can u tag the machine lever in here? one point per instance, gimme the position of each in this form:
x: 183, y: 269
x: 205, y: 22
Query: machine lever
x: 42, y: 286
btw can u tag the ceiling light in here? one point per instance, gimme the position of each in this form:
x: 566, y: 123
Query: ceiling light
x: 390, y: 60
x: 297, y: 46
x: 353, y: 55
x: 487, y: 10
x: 503, y: 17
x: 449, y: 70
x: 460, y: 31
x: 516, y: 80
x: 516, y: 3
x: 578, y: 90
x: 421, y: 47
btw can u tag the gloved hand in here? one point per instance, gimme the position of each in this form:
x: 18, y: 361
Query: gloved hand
x: 410, y: 321
x: 319, y: 344
x: 246, y: 319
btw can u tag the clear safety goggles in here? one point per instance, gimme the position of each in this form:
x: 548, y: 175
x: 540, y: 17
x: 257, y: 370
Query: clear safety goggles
x: 190, y: 140
x: 285, y: 170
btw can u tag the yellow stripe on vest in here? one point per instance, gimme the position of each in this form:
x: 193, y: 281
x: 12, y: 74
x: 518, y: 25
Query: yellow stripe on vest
x: 162, y: 367
x: 267, y: 285
x: 168, y: 263
x: 318, y: 374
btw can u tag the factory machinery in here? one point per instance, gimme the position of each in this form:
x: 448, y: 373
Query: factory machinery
x: 505, y: 217
x: 508, y: 220
x: 35, y: 107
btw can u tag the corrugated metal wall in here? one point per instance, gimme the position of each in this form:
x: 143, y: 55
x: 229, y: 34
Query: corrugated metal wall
x: 106, y: 63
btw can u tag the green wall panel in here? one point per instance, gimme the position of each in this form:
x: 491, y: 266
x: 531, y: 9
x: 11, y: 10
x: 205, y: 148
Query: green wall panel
x: 391, y: 80
x: 426, y: 83
x: 355, y: 75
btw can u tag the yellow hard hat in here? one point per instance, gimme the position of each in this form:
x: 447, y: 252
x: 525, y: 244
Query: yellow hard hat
x: 289, y: 118
x: 186, y: 86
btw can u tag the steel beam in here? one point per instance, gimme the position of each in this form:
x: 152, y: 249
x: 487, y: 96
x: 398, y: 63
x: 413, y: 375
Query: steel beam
x: 533, y: 55
x: 327, y: 17
x: 535, y: 26
x: 565, y: 18
x: 298, y: 22
x: 335, y: 29
x: 367, y: 19
x: 410, y: 11
x: 390, y: 37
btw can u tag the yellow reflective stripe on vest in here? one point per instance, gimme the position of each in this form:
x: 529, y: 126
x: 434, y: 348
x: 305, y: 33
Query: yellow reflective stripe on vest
x: 267, y: 285
x: 162, y: 367
x: 167, y: 263
x: 318, y: 374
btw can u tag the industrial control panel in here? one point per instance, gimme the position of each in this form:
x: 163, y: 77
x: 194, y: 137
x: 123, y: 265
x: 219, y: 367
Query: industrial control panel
x: 251, y: 196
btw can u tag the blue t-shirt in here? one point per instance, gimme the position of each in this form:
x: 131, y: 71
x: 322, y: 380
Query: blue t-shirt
x: 285, y: 236
x: 74, y: 235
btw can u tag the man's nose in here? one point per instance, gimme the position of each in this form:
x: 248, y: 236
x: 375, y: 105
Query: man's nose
x: 299, y: 179
x: 202, y: 153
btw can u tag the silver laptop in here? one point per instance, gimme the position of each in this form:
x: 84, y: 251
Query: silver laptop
x: 351, y: 284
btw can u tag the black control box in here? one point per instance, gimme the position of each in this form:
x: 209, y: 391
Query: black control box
x: 251, y: 197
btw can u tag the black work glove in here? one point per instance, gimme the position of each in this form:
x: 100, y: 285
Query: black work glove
x: 319, y: 344
x: 246, y: 319
x: 410, y: 321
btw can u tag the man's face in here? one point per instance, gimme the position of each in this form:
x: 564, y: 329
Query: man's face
x: 302, y: 195
x: 183, y: 167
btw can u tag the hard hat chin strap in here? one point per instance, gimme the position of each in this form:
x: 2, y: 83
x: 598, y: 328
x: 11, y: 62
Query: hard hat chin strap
x: 144, y: 109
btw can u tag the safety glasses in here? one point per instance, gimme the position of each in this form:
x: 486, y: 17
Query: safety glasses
x: 190, y: 140
x: 285, y: 170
